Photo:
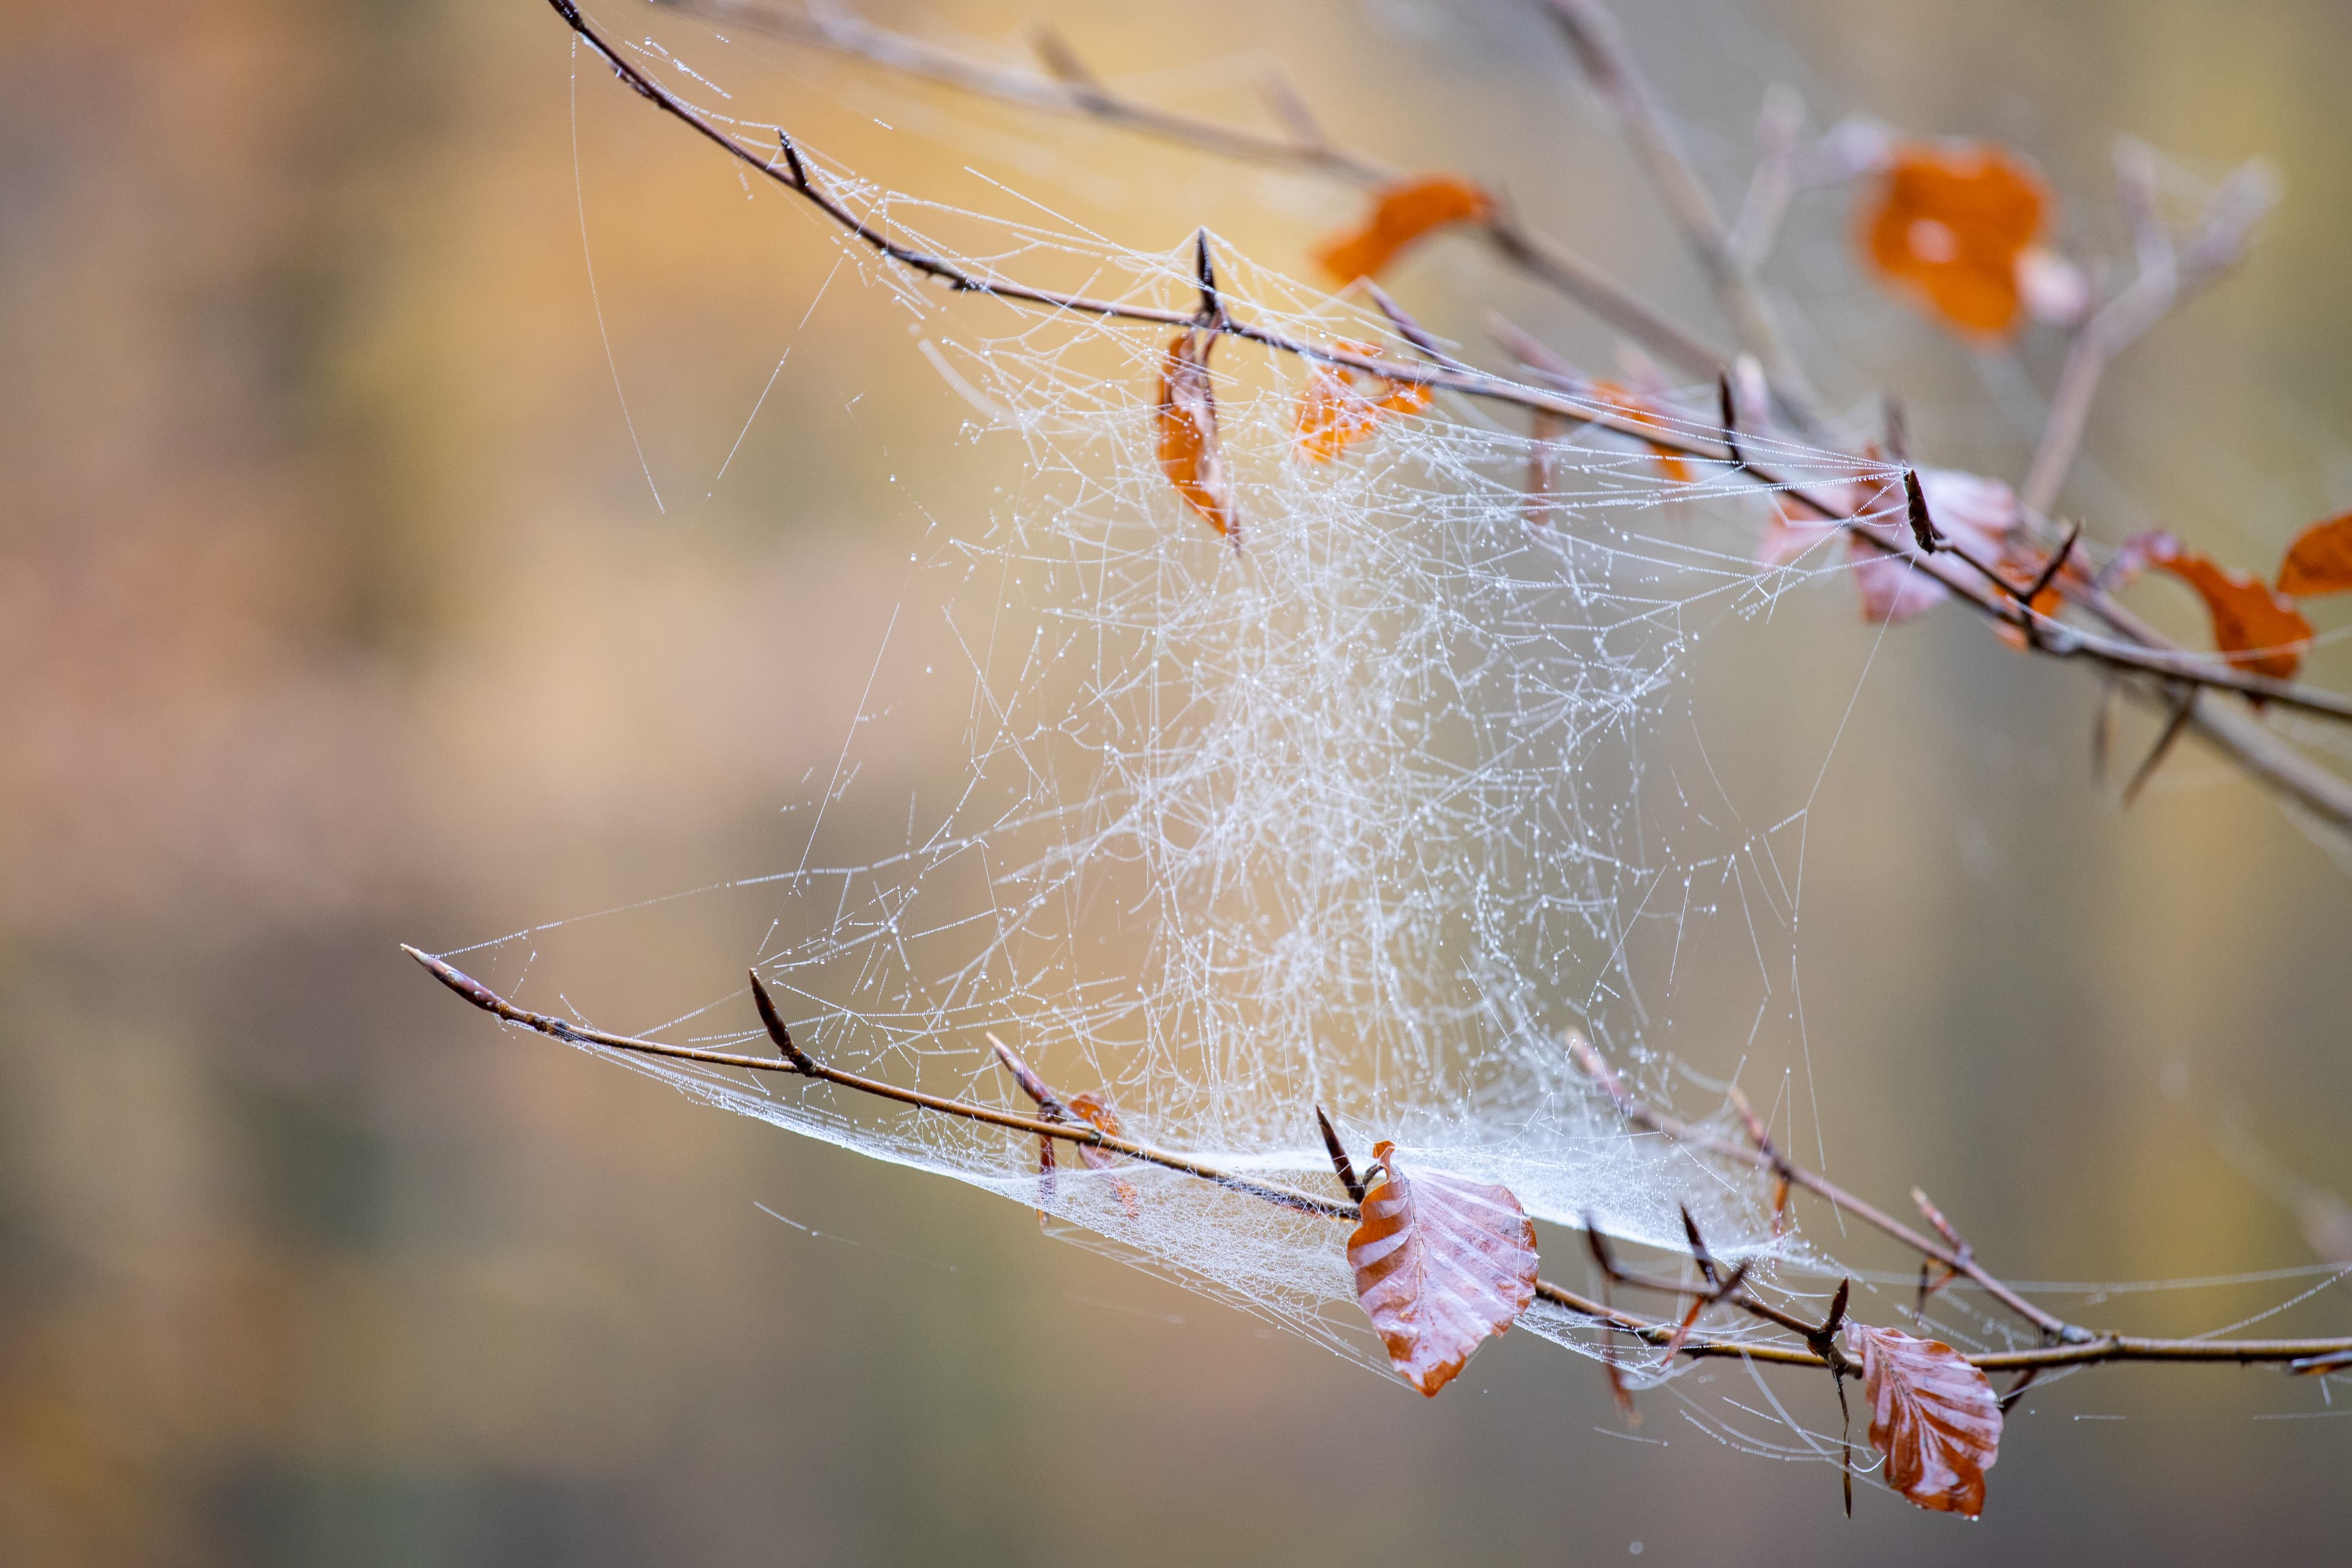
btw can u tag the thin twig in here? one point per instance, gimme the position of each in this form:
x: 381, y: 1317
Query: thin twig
x: 2085, y: 1348
x: 1642, y: 1114
x: 1600, y: 48
x: 2164, y: 279
x: 1071, y: 89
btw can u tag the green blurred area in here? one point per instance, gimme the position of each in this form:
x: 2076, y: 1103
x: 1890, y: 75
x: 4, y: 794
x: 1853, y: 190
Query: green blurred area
x: 336, y: 610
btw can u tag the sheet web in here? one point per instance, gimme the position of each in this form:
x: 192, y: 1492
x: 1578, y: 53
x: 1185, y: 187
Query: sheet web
x: 1364, y: 812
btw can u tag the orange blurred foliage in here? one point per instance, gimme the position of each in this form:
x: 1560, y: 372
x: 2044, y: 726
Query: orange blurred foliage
x: 1402, y: 214
x: 1949, y: 227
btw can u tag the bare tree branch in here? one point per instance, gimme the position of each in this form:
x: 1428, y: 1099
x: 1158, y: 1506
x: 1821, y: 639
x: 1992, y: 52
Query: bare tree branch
x: 1071, y: 89
x: 2079, y: 1345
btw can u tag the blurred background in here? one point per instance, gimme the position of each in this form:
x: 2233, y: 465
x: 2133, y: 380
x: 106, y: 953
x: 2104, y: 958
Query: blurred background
x: 336, y: 610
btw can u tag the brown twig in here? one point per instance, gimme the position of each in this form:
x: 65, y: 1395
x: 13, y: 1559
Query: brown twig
x: 2164, y: 279
x: 2084, y: 1348
x: 1633, y: 1109
x: 1591, y: 33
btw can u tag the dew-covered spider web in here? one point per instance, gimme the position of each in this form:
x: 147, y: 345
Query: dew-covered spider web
x: 1364, y: 808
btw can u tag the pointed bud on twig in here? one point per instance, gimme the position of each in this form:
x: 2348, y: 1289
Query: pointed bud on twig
x: 773, y: 1022
x: 1730, y: 411
x: 1922, y: 527
x: 1339, y: 1161
x: 457, y: 980
x: 792, y: 158
x: 1212, y: 310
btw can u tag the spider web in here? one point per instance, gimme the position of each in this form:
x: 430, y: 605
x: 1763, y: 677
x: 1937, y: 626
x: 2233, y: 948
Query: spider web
x: 1364, y: 812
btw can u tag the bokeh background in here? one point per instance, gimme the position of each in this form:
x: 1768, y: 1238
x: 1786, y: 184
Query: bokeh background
x: 335, y: 610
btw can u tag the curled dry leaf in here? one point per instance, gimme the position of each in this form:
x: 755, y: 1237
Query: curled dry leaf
x: 1339, y: 406
x: 1629, y: 405
x: 1440, y: 1264
x: 2320, y: 560
x: 1402, y: 214
x: 1951, y: 226
x: 1190, y: 453
x: 1096, y: 1111
x: 2255, y: 626
x: 1935, y: 1417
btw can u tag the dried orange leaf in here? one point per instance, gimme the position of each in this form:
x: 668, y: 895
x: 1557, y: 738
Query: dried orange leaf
x: 1402, y: 214
x: 1951, y: 227
x: 1097, y: 1112
x: 1440, y: 1264
x: 1336, y: 410
x: 1190, y: 454
x: 1932, y: 1415
x: 2320, y: 559
x: 1627, y: 405
x: 2255, y: 626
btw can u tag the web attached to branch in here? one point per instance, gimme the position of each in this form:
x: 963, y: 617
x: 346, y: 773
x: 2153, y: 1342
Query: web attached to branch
x: 1363, y: 810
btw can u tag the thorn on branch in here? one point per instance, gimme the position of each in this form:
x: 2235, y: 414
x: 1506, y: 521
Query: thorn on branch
x: 2057, y: 563
x: 2182, y: 706
x: 773, y: 1022
x: 793, y: 158
x: 1339, y: 1161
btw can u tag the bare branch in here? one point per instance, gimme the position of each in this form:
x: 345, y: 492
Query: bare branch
x: 2079, y: 1348
x: 1600, y: 48
x: 2266, y: 758
x: 2165, y: 279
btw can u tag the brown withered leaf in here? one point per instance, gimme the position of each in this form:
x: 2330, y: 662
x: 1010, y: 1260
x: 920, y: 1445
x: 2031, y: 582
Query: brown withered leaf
x: 1402, y: 214
x: 1341, y: 406
x: 1097, y: 1112
x: 1932, y: 1415
x: 2255, y: 626
x: 2320, y: 560
x: 1440, y: 1264
x: 1190, y: 453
